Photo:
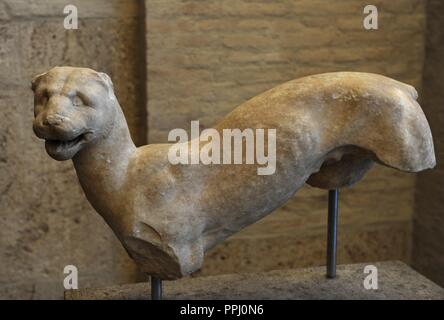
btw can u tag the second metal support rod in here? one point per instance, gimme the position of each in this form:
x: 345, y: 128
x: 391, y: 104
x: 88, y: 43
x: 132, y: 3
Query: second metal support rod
x: 156, y: 288
x: 332, y: 233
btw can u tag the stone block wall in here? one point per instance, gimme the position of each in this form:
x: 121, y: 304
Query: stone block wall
x: 204, y: 58
x: 46, y: 222
x: 201, y: 59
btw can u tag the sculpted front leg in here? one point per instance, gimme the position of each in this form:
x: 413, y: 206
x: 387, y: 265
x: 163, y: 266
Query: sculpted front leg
x: 156, y: 255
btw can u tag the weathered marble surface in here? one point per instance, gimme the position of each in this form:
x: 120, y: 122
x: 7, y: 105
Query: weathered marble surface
x: 330, y: 129
x: 396, y: 281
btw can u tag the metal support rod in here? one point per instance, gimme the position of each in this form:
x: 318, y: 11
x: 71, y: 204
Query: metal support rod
x: 156, y: 288
x: 332, y: 232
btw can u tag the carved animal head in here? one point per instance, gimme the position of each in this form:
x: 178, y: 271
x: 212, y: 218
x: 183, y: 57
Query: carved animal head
x: 73, y: 107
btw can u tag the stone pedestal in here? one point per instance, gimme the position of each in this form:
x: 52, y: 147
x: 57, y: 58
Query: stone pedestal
x: 396, y: 280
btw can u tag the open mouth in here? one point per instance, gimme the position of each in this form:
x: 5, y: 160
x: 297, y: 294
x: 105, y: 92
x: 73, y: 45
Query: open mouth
x: 65, y: 143
x: 64, y: 148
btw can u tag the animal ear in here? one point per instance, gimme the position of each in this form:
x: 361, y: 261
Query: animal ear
x: 105, y: 78
x: 35, y: 80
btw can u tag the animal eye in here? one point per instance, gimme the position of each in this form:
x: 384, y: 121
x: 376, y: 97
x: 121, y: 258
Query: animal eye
x: 77, y: 101
x: 40, y: 100
x: 42, y: 97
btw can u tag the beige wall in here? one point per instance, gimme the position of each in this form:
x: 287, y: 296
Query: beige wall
x: 204, y: 58
x: 45, y: 220
x: 207, y: 57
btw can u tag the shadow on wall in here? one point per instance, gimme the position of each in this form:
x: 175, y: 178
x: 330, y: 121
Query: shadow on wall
x: 428, y: 227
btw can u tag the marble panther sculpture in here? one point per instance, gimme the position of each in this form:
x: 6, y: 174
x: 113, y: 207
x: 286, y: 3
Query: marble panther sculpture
x: 330, y: 129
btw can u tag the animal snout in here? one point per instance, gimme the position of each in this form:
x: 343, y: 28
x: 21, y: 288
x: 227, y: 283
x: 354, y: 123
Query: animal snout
x: 53, y: 120
x: 51, y: 125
